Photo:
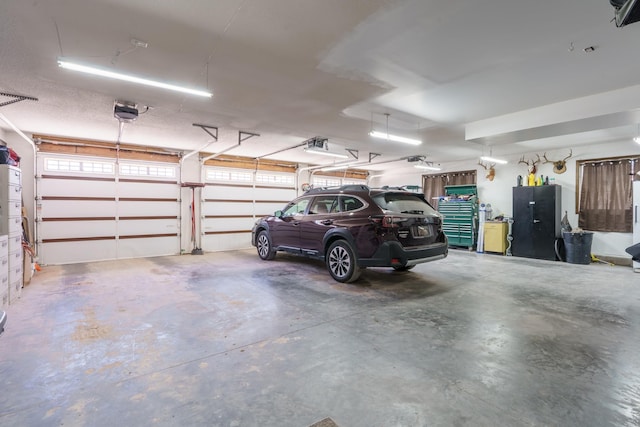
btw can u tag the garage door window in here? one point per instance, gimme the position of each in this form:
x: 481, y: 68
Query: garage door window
x: 132, y: 169
x: 73, y: 165
x: 275, y: 179
x: 221, y: 175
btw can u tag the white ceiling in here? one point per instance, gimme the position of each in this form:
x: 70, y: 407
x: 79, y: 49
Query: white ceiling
x: 462, y: 75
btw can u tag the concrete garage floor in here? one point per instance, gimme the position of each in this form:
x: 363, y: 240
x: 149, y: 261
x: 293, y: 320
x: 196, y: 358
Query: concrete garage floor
x: 225, y: 339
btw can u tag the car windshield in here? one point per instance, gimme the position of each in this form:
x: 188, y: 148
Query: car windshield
x: 403, y: 203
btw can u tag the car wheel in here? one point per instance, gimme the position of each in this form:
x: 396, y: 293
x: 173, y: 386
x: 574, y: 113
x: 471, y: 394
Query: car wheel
x: 403, y: 267
x: 263, y: 244
x: 341, y: 262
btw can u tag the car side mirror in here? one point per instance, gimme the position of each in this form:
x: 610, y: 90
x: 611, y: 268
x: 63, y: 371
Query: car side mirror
x: 277, y: 214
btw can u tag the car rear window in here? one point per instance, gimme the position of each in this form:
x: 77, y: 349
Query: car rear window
x: 350, y: 203
x: 403, y: 203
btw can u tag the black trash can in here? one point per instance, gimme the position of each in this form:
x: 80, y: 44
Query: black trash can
x: 634, y: 251
x: 578, y: 246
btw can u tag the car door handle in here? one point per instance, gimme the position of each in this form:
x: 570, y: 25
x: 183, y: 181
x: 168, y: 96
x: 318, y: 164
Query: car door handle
x: 296, y: 223
x: 326, y: 222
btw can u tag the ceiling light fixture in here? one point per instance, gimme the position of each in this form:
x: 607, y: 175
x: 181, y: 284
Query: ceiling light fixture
x: 493, y: 160
x: 326, y: 153
x: 426, y: 165
x: 637, y: 137
x: 390, y: 137
x: 130, y: 78
x: 320, y: 145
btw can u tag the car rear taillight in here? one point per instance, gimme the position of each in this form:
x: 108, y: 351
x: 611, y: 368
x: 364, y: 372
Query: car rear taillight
x: 388, y: 221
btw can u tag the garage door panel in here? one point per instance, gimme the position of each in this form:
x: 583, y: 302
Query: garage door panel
x: 223, y: 192
x: 77, y: 251
x: 77, y: 229
x: 148, y: 189
x: 78, y: 208
x: 151, y: 208
x: 147, y: 226
x: 225, y: 242
x: 226, y: 224
x: 263, y: 209
x: 92, y: 207
x: 148, y: 246
x: 284, y: 194
x: 76, y: 187
x: 227, y: 208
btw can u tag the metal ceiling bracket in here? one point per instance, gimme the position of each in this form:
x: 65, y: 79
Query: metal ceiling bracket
x: 206, y: 129
x: 373, y: 156
x: 243, y: 136
x: 17, y: 98
x: 353, y: 152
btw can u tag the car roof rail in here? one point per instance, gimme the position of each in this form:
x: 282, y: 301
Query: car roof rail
x: 391, y: 187
x: 348, y: 187
x: 354, y: 187
x: 409, y: 188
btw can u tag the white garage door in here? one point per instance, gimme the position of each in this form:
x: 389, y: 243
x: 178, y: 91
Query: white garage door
x: 91, y: 209
x: 232, y: 199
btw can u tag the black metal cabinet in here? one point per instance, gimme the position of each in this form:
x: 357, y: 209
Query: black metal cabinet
x: 536, y: 221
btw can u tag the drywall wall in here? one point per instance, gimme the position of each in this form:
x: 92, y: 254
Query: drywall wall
x: 499, y: 191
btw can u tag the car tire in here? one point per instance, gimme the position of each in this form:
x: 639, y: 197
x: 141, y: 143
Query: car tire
x: 403, y: 267
x: 341, y: 262
x: 263, y: 245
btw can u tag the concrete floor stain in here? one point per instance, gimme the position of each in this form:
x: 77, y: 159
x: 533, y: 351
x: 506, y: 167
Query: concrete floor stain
x: 89, y: 328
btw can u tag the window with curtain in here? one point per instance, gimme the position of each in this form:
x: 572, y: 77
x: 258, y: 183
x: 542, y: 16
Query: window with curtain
x: 605, y: 197
x: 433, y: 184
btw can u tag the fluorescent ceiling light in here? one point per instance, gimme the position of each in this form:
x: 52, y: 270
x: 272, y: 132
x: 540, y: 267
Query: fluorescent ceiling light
x: 494, y: 160
x: 129, y: 78
x: 324, y: 152
x: 427, y: 167
x: 395, y: 138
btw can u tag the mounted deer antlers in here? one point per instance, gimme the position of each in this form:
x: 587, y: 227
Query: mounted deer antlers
x: 492, y: 171
x: 559, y: 166
x: 531, y: 164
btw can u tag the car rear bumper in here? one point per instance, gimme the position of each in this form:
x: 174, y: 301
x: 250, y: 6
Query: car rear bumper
x: 392, y: 254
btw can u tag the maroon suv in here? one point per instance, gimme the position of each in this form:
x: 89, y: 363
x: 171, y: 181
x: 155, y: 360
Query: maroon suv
x: 354, y: 227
